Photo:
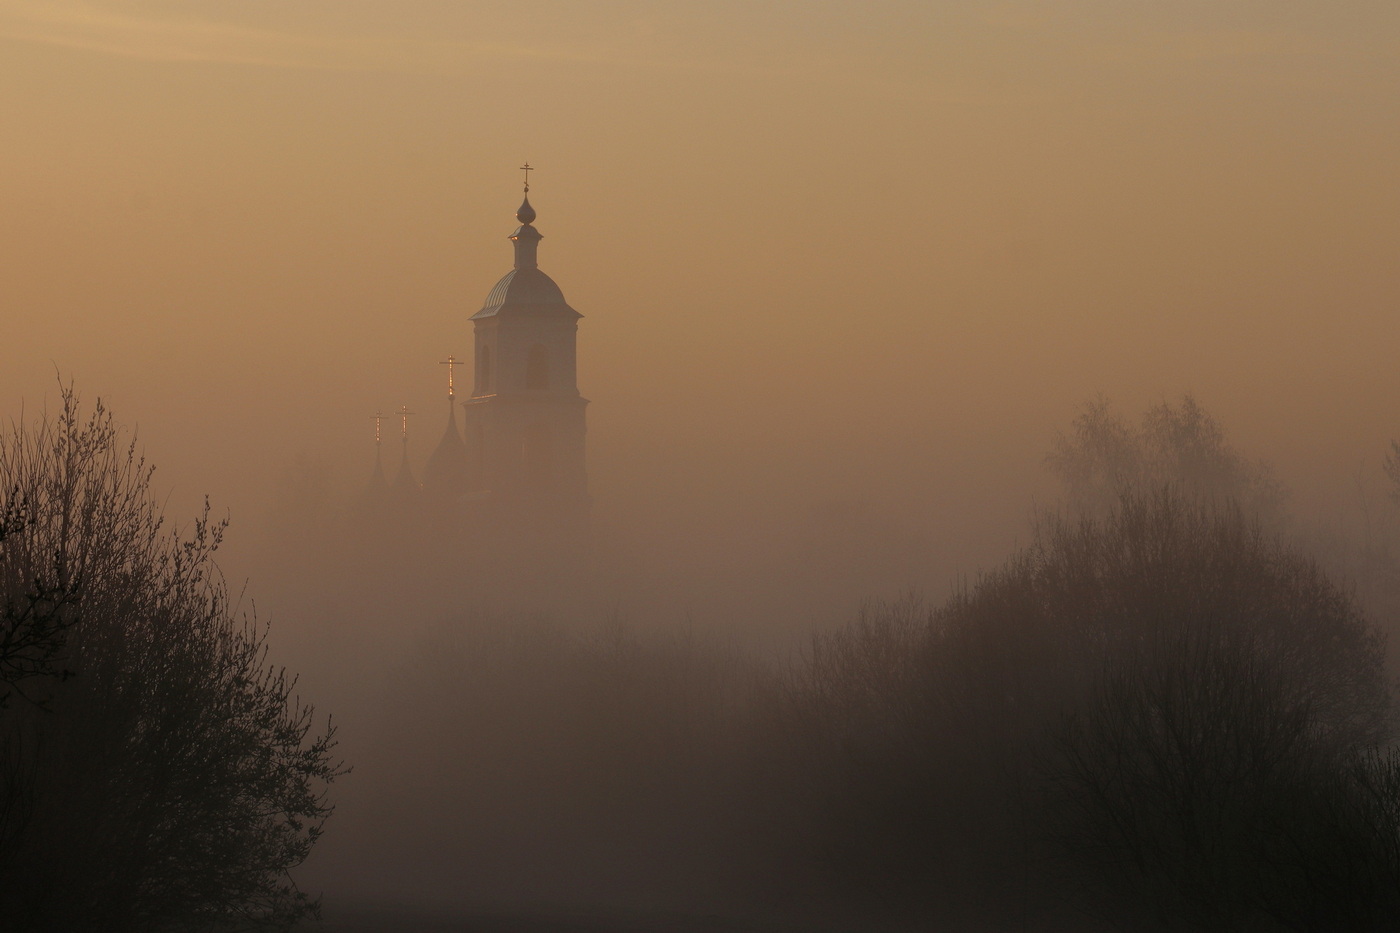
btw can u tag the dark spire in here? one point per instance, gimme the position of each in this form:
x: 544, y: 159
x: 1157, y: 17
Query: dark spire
x: 377, y: 482
x: 404, y: 482
x: 378, y: 488
x: 445, y: 474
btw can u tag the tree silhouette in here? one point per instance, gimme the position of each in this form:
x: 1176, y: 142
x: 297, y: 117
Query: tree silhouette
x: 1181, y: 445
x: 155, y: 771
x: 1160, y: 715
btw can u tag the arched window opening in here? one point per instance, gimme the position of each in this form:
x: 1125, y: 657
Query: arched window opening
x: 537, y: 369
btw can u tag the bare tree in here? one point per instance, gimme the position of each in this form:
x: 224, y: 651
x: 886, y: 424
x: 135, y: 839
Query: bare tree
x: 1213, y: 769
x: 156, y: 772
x: 1181, y: 445
x: 1160, y: 714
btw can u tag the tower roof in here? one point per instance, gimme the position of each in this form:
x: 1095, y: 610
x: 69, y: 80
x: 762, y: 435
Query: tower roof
x: 378, y: 487
x: 525, y: 289
x: 446, y: 470
x: 404, y: 483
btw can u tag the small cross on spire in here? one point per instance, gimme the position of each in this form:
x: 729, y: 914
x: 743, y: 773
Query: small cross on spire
x: 378, y: 421
x: 403, y: 413
x: 527, y: 169
x: 449, y: 363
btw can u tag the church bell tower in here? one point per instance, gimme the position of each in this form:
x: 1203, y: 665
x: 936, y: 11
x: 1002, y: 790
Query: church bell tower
x: 524, y: 422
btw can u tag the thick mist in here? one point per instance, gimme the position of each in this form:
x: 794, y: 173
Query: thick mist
x: 846, y: 275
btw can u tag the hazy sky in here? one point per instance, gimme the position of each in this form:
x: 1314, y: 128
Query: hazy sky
x: 827, y: 252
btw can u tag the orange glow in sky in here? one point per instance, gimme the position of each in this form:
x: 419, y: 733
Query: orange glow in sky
x: 827, y: 252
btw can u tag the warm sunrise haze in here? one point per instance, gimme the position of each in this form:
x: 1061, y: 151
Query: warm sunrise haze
x: 713, y: 463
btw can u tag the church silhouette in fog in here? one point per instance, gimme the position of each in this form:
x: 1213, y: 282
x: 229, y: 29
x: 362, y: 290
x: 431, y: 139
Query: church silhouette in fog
x: 511, y: 481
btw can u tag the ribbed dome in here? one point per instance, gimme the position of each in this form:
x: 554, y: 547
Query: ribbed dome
x: 524, y: 289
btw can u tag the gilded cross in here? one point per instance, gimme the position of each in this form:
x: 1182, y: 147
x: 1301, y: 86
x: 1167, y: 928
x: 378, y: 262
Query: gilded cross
x: 378, y: 420
x: 527, y: 169
x: 403, y: 413
x: 449, y: 363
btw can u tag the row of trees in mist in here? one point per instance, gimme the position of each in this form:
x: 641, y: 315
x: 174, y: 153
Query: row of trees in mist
x: 156, y: 772
x: 1159, y: 714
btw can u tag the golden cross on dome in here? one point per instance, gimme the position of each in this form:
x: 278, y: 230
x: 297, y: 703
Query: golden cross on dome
x: 449, y: 363
x: 527, y: 169
x: 403, y: 413
x: 378, y: 420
